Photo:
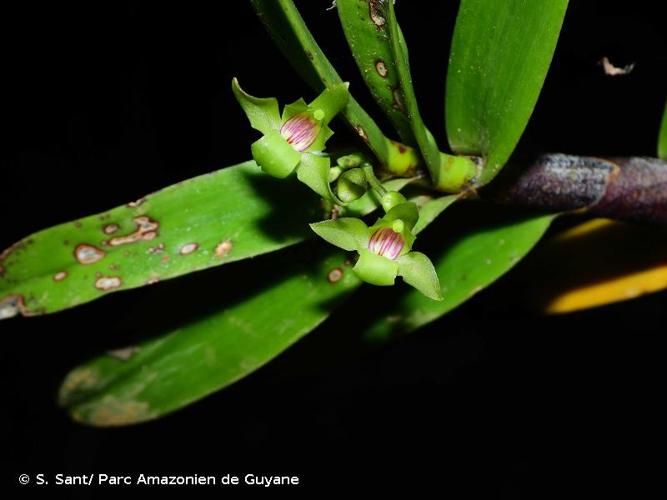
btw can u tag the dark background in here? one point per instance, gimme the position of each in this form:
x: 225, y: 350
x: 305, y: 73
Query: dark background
x: 106, y: 102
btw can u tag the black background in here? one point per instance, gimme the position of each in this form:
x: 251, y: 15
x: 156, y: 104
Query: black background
x: 104, y: 102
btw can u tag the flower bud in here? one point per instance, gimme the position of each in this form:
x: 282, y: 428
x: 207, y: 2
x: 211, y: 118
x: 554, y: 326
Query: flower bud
x: 351, y: 185
x: 387, y: 243
x: 391, y: 199
x: 301, y: 130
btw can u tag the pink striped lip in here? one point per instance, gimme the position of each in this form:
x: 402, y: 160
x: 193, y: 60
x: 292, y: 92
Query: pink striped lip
x: 300, y: 131
x: 386, y: 242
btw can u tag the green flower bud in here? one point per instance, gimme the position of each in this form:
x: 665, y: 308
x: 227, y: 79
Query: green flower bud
x: 392, y: 199
x: 350, y: 161
x: 351, y: 185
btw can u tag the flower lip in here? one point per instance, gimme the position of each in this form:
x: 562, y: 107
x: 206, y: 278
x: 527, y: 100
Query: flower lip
x: 386, y: 242
x: 301, y: 130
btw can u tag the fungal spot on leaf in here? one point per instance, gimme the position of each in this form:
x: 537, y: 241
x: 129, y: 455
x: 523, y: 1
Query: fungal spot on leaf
x: 78, y: 225
x: 375, y: 11
x: 398, y: 99
x: 157, y: 249
x: 146, y: 230
x: 153, y: 280
x: 60, y: 276
x: 381, y: 68
x: 114, y: 266
x: 79, y: 380
x: 335, y: 275
x: 88, y: 254
x: 111, y: 411
x: 10, y: 306
x: 165, y: 259
x: 106, y: 283
x: 2, y: 271
x: 361, y: 132
x: 188, y: 249
x: 110, y: 228
x: 223, y: 249
x: 123, y: 354
x: 135, y: 204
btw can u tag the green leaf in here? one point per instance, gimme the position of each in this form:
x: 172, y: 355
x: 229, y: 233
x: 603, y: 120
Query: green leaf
x: 475, y: 254
x: 197, y: 359
x: 276, y: 157
x: 365, y: 27
x: 417, y: 270
x: 347, y: 233
x: 407, y: 100
x: 431, y: 210
x: 662, y: 138
x: 221, y: 217
x: 283, y: 21
x: 262, y: 112
x: 500, y: 55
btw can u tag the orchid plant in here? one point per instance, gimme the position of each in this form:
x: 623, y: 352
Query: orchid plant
x: 371, y: 197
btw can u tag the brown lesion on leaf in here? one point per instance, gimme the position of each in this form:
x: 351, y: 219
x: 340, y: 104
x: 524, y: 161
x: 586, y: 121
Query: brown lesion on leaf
x: 156, y: 249
x: 112, y: 411
x: 2, y: 271
x: 137, y: 203
x: 110, y: 228
x: 376, y: 12
x: 335, y: 275
x: 78, y: 380
x: 11, y: 305
x: 381, y: 68
x: 223, y: 249
x: 108, y: 283
x: 124, y: 353
x: 86, y: 254
x: 397, y: 96
x: 361, y: 133
x: 60, y: 276
x: 147, y: 229
x: 188, y: 248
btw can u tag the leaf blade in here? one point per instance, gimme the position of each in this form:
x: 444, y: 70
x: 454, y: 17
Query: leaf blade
x: 500, y: 55
x: 170, y: 372
x: 203, y: 222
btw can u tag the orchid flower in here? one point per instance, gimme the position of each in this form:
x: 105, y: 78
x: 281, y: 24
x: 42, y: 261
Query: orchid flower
x: 385, y: 248
x: 296, y: 139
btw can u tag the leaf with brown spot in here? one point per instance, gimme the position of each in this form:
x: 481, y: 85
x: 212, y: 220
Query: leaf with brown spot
x: 237, y: 203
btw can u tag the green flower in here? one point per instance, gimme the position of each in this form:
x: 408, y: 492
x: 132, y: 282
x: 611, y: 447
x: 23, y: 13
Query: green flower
x: 385, y: 247
x: 296, y: 139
